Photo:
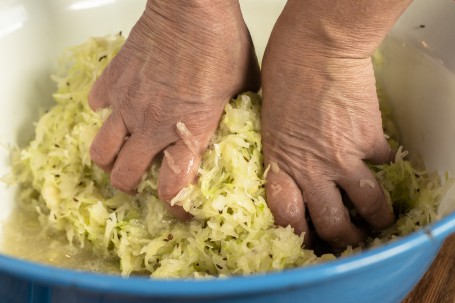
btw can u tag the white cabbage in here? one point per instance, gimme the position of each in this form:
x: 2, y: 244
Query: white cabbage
x: 232, y: 231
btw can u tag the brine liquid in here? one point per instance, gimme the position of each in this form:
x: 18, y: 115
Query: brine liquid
x: 23, y: 237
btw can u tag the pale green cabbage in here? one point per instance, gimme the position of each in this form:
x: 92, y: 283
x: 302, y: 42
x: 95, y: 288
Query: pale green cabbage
x: 232, y: 231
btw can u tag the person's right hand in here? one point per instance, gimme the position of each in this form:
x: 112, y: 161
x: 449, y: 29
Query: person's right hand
x: 321, y: 118
x: 167, y: 87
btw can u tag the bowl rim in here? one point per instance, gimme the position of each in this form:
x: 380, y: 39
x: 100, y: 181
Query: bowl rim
x: 235, y: 285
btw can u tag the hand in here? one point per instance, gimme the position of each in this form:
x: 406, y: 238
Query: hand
x: 321, y: 122
x: 167, y: 87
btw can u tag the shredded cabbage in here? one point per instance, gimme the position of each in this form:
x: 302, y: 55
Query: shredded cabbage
x: 232, y: 232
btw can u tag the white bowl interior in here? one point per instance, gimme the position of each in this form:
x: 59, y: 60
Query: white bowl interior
x: 419, y: 78
x: 420, y: 83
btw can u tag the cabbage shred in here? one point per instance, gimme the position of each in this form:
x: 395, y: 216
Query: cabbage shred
x: 232, y: 232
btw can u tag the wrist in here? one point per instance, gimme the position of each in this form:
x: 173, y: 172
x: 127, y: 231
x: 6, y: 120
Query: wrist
x: 210, y: 16
x: 193, y: 6
x: 346, y: 28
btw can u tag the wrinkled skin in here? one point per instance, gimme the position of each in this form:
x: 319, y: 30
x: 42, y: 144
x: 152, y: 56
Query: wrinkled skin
x: 182, y: 62
x: 320, y: 119
x: 322, y: 122
x: 327, y: 124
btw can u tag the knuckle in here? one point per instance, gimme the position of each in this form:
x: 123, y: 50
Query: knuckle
x: 167, y: 192
x: 293, y: 212
x: 286, y: 205
x: 94, y: 96
x: 98, y: 155
x: 153, y: 114
x: 121, y: 182
x: 169, y: 187
x: 374, y: 203
x: 369, y: 209
x: 330, y: 231
x: 331, y: 226
x: 99, y: 93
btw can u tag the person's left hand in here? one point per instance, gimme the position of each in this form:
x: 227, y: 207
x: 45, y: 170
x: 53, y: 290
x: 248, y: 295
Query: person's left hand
x: 167, y: 87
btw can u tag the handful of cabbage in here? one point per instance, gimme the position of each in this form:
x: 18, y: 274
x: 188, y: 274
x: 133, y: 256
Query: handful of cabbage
x: 232, y: 231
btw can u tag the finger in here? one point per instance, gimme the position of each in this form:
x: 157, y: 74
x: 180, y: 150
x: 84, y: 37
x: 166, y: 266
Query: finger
x: 108, y: 141
x: 380, y: 152
x: 367, y: 196
x: 133, y: 161
x: 98, y: 96
x: 330, y: 217
x: 105, y: 86
x: 285, y: 201
x: 178, y: 169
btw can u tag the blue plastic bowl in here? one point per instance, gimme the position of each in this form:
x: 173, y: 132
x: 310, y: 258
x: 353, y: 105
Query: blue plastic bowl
x: 385, y: 274
x: 33, y: 32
